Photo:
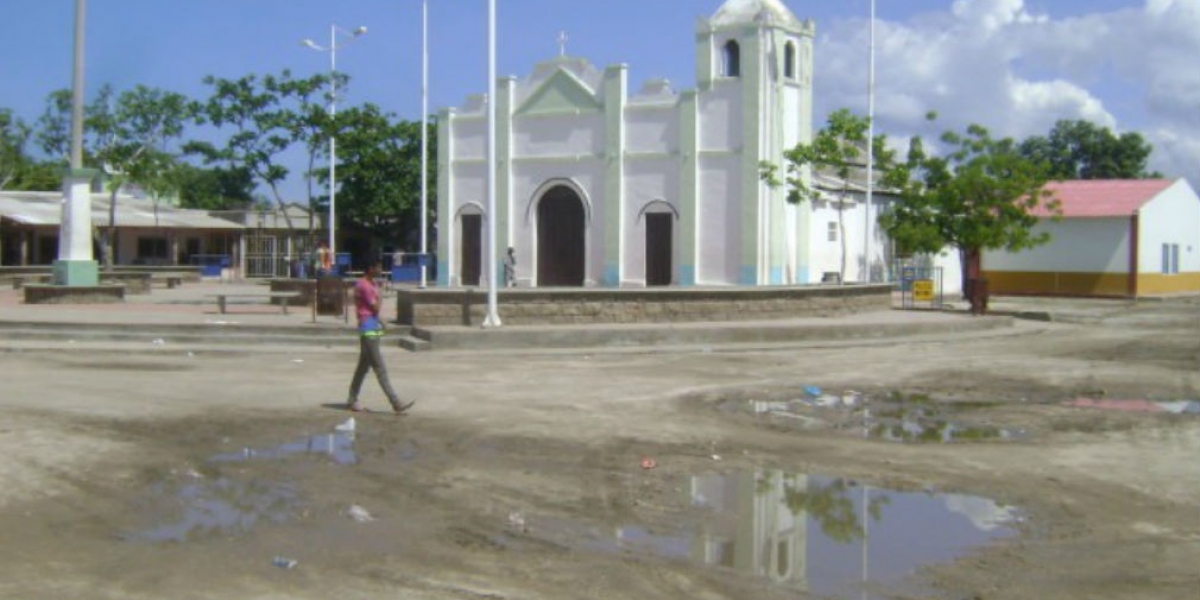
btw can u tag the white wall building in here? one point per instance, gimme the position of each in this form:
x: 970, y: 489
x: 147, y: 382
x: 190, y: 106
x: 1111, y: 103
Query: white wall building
x: 598, y: 186
x: 1124, y: 238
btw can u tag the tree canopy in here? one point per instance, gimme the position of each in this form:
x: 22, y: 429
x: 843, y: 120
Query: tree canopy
x: 379, y: 176
x: 979, y: 196
x: 1083, y: 150
x: 838, y: 149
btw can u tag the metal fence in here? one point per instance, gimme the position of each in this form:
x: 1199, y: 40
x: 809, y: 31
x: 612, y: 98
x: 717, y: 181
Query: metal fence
x: 921, y: 286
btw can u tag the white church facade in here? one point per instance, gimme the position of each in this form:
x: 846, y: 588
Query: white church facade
x: 598, y: 186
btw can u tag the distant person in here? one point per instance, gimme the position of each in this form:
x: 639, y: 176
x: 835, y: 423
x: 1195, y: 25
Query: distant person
x: 324, y: 260
x: 510, y: 268
x: 367, y: 303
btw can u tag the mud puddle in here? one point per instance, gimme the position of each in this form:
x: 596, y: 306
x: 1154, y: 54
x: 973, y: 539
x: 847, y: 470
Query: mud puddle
x: 189, y: 505
x: 180, y: 512
x: 808, y: 533
x: 339, y: 446
x: 893, y: 417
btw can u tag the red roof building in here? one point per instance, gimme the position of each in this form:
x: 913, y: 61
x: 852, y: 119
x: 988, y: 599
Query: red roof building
x: 1116, y: 238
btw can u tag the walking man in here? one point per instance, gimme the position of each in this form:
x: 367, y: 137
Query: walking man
x: 510, y: 268
x: 366, y: 307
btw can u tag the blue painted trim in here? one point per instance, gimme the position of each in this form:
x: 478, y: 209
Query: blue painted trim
x: 776, y: 275
x: 687, y: 275
x: 612, y: 275
x: 749, y: 275
x: 802, y: 274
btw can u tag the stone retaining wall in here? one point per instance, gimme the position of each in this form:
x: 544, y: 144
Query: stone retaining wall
x: 62, y: 294
x: 467, y: 306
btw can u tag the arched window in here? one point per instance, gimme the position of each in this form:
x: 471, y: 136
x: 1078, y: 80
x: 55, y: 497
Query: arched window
x: 732, y: 57
x: 789, y: 61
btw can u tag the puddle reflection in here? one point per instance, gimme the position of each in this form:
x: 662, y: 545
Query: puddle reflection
x: 818, y: 535
x: 339, y: 446
x: 207, y: 507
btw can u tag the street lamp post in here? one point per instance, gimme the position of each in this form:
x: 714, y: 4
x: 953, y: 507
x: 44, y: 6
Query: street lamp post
x: 424, y: 137
x: 870, y: 150
x: 75, y: 265
x: 492, y: 319
x: 334, y: 30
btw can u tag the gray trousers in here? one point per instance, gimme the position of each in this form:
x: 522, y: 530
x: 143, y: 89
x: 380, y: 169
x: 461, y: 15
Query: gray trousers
x: 370, y: 358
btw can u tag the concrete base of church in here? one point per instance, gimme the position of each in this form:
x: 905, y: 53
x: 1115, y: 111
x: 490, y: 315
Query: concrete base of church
x: 540, y: 306
x: 76, y: 272
x: 74, y: 294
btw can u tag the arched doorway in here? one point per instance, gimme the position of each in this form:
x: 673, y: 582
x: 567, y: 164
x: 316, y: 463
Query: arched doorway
x: 560, y: 238
x: 471, y: 250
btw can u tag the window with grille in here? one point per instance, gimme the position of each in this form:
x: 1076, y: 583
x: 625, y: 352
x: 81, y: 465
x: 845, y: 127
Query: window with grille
x: 1170, y: 259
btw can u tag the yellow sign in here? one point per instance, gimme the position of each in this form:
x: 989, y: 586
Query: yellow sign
x: 923, y: 290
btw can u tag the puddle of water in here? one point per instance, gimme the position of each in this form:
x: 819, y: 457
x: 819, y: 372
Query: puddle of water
x: 338, y: 445
x: 220, y: 506
x: 894, y: 417
x: 812, y: 534
x: 200, y: 506
x: 939, y: 432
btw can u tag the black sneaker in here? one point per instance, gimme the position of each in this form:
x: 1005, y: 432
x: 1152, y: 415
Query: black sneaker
x: 401, y: 407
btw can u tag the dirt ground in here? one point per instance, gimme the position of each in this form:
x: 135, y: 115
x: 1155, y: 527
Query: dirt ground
x: 151, y: 475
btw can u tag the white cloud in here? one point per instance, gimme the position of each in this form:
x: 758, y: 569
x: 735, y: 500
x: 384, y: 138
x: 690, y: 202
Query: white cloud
x: 995, y: 63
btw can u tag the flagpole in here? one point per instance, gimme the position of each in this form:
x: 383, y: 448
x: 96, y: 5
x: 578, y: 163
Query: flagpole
x: 424, y: 139
x: 493, y: 315
x: 867, y: 229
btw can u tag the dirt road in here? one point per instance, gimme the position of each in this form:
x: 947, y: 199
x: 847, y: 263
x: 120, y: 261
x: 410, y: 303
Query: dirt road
x: 616, y: 475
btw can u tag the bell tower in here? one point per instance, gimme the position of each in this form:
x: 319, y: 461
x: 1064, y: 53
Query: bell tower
x: 754, y: 67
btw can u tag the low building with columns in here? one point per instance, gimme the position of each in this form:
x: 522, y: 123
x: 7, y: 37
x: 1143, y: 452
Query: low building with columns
x: 601, y: 185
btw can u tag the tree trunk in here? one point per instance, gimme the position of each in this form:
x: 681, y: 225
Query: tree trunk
x: 974, y: 286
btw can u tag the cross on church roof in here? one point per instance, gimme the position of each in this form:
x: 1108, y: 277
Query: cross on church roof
x: 562, y: 43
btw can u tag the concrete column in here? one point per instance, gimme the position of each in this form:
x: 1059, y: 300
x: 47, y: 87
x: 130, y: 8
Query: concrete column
x: 445, y: 192
x: 174, y: 248
x: 76, y: 265
x: 754, y: 232
x: 689, y: 191
x: 615, y: 97
x: 505, y: 90
x: 26, y: 236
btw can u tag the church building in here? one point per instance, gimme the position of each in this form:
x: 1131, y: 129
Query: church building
x: 598, y: 185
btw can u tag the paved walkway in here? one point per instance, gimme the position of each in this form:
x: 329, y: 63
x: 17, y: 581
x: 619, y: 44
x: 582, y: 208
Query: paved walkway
x: 189, y: 304
x: 192, y: 307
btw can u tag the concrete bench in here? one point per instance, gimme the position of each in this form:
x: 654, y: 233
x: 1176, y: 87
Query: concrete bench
x: 280, y: 298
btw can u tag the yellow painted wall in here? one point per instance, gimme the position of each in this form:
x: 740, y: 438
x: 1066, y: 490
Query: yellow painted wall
x: 1064, y: 284
x: 1088, y: 284
x: 1157, y: 283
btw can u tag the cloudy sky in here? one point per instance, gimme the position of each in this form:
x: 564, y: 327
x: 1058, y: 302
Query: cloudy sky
x: 1017, y: 67
x: 1013, y: 66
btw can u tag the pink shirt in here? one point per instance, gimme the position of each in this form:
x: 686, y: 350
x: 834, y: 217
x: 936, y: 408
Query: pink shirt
x: 366, y: 296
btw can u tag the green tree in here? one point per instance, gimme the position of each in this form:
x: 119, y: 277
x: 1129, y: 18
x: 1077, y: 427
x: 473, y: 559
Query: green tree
x: 14, y: 135
x: 978, y: 197
x: 213, y: 188
x: 54, y: 126
x: 265, y: 117
x: 1083, y: 150
x: 379, y: 185
x: 839, y: 150
x: 134, y: 134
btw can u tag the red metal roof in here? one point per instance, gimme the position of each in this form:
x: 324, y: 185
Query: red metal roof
x: 1103, y: 197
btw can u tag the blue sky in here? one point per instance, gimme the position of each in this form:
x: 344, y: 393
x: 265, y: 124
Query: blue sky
x: 1015, y: 66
